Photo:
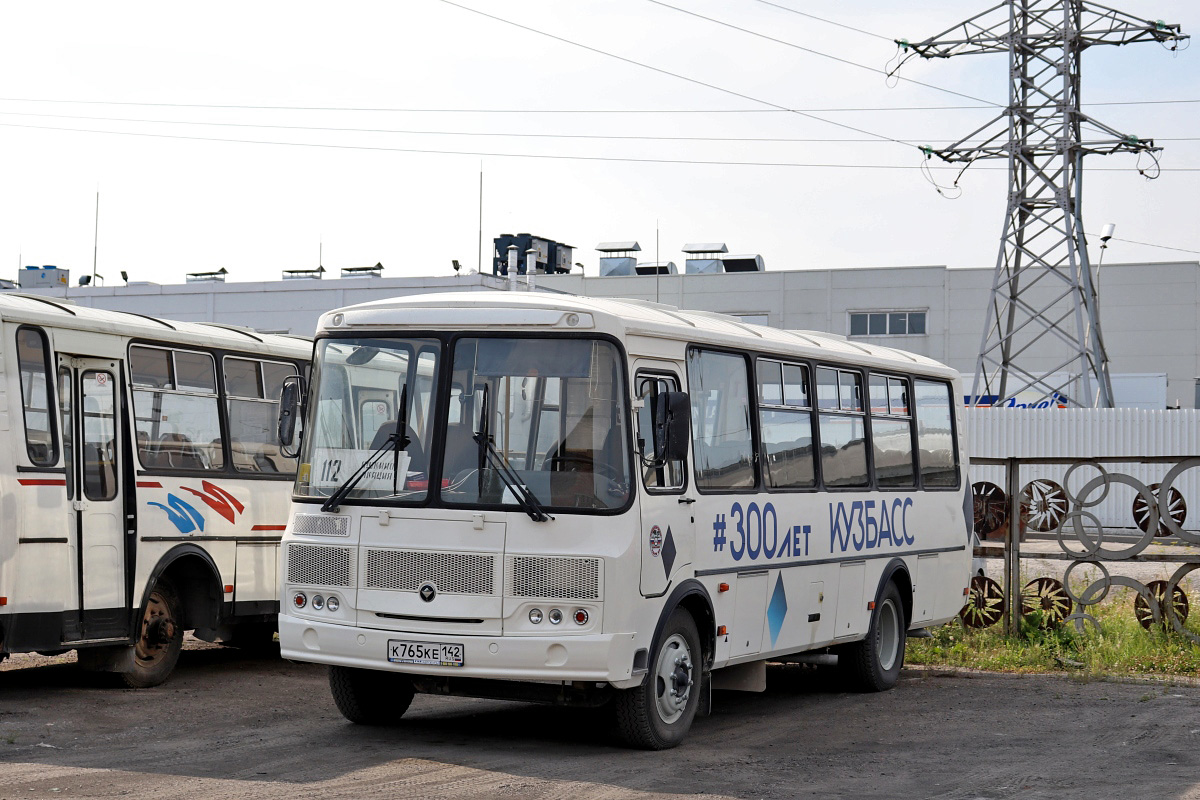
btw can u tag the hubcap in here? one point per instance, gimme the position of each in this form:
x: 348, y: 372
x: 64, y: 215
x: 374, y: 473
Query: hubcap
x: 888, y: 635
x: 158, y: 629
x: 673, y: 679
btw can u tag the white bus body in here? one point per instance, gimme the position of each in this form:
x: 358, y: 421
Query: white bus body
x: 797, y: 519
x: 144, y: 492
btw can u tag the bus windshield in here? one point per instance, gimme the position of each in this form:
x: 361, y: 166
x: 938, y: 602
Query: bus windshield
x: 361, y: 388
x: 552, y: 409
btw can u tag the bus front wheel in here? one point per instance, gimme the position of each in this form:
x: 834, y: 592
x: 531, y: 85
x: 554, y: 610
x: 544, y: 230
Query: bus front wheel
x: 659, y: 713
x: 160, y: 638
x: 368, y: 696
x: 873, y: 664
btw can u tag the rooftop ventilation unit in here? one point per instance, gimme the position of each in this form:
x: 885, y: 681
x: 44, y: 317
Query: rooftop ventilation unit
x: 303, y: 274
x: 550, y: 257
x: 704, y: 258
x: 363, y: 272
x: 40, y: 277
x: 657, y: 268
x: 618, y: 258
x: 748, y: 263
x: 217, y: 276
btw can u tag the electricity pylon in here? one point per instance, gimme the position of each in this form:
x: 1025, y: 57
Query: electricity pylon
x: 1043, y: 307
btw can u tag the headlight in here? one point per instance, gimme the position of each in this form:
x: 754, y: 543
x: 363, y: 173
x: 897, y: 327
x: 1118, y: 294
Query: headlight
x: 555, y: 616
x: 332, y: 603
x: 318, y: 602
x: 535, y: 615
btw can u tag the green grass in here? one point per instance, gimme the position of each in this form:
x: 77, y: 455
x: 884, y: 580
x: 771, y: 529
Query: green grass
x: 1119, y: 648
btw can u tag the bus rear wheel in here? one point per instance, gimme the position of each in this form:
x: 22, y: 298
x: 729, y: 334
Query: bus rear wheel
x: 369, y: 696
x: 873, y: 665
x: 160, y: 639
x: 658, y: 714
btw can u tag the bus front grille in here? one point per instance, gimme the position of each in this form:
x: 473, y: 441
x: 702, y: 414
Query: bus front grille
x: 320, y: 525
x: 316, y: 565
x: 408, y: 570
x: 554, y: 578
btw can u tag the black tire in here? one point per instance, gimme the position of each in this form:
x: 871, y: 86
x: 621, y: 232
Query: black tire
x: 658, y: 714
x: 370, y: 697
x: 160, y: 638
x: 873, y: 665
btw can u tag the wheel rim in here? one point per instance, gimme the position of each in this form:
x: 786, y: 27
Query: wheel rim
x: 673, y: 679
x: 158, y: 629
x: 888, y: 635
x: 985, y: 603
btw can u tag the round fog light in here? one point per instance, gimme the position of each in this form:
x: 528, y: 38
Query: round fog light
x: 535, y: 615
x: 318, y: 602
x: 581, y: 616
x: 332, y: 603
x: 300, y: 599
x: 555, y: 616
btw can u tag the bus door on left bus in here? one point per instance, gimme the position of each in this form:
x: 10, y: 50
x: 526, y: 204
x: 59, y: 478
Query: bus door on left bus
x: 89, y: 396
x: 668, y: 522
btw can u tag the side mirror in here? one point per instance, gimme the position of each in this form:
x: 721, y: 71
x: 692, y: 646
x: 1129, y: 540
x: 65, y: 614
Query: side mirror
x: 672, y: 426
x: 291, y: 401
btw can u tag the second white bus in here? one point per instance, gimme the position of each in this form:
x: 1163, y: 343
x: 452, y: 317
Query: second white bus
x: 592, y: 501
x: 144, y: 490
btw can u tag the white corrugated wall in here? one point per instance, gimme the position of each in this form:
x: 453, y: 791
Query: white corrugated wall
x: 1089, y: 433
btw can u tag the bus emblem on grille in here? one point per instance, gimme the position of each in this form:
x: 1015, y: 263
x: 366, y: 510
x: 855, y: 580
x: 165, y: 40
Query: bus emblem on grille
x: 427, y: 591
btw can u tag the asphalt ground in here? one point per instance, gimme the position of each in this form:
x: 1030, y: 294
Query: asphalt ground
x: 230, y: 724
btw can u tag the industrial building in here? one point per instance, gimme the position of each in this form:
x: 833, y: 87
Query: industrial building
x: 1147, y: 310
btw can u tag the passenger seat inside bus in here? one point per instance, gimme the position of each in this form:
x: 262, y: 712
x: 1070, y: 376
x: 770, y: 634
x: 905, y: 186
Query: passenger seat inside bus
x: 417, y: 462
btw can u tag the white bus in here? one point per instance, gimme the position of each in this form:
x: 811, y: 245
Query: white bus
x: 606, y: 501
x: 144, y: 490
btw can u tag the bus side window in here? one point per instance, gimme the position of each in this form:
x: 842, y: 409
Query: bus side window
x: 33, y: 359
x: 652, y: 390
x: 891, y: 432
x: 99, y: 435
x: 785, y: 421
x: 176, y: 417
x: 843, y: 428
x: 721, y: 435
x: 935, y: 434
x: 252, y: 401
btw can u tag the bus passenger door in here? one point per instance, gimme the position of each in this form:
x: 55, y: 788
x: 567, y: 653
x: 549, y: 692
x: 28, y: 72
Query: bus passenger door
x: 668, y: 529
x: 90, y: 400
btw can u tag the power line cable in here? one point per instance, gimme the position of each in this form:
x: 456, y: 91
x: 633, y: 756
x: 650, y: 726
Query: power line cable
x: 498, y: 134
x: 887, y: 39
x: 555, y: 157
x: 1159, y: 246
x: 502, y: 134
x: 618, y: 137
x: 838, y: 59
x: 676, y: 75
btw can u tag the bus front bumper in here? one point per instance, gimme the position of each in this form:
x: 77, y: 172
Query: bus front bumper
x: 601, y: 658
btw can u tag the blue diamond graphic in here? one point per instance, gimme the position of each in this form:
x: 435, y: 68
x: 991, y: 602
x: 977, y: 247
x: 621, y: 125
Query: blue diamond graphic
x: 777, y: 610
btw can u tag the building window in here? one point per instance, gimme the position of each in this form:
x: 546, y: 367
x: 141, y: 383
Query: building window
x: 887, y: 323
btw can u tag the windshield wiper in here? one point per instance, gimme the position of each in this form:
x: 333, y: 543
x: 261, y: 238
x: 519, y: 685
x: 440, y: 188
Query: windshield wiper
x: 489, y: 453
x: 398, y: 440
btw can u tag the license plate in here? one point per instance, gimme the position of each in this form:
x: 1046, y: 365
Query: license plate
x: 438, y: 654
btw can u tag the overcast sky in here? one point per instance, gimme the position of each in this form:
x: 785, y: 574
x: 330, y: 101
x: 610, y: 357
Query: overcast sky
x: 77, y: 79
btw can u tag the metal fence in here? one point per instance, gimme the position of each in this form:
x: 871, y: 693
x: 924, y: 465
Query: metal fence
x: 1046, y: 509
